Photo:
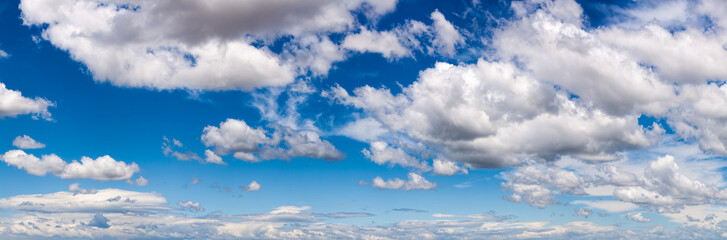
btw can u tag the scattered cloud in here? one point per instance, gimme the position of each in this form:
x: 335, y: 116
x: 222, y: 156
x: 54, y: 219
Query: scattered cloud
x: 191, y: 206
x: 383, y: 154
x: 253, y: 186
x: 637, y: 217
x: 25, y: 142
x: 256, y: 144
x: 140, y: 181
x: 414, y: 182
x: 12, y: 104
x: 102, y: 168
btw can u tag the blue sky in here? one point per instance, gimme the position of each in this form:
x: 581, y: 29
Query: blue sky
x: 355, y: 119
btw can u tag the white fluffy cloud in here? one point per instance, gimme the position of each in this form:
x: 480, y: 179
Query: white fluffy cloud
x: 189, y: 44
x: 102, y: 168
x: 446, y: 37
x: 386, y: 43
x: 12, y: 104
x: 447, y: 168
x: 491, y: 114
x: 255, y: 144
x: 366, y: 129
x: 253, y: 186
x: 140, y: 181
x: 637, y: 217
x: 414, y: 182
x: 658, y: 71
x: 552, y: 87
x: 26, y: 142
x: 665, y: 189
x: 191, y: 206
x: 383, y: 154
x: 440, y: 38
x: 536, y: 184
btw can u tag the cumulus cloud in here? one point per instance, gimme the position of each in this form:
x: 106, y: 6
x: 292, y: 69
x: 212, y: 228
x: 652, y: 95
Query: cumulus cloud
x: 447, y: 168
x: 536, y: 184
x: 25, y: 142
x: 140, y: 181
x: 446, y: 36
x: 637, y: 217
x: 189, y: 45
x: 191, y: 206
x: 518, y: 117
x: 366, y: 129
x: 253, y: 186
x: 256, y: 144
x: 414, y: 182
x: 660, y: 71
x: 12, y: 104
x: 381, y: 153
x: 102, y: 168
x: 386, y: 43
x: 664, y: 188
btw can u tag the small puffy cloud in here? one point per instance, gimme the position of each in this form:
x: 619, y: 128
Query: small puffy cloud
x: 446, y: 36
x: 25, y: 142
x: 414, y: 182
x: 383, y: 154
x: 191, y: 206
x: 385, y: 43
x: 99, y: 221
x: 637, y: 217
x: 12, y: 104
x: 4, y: 54
x: 103, y: 168
x: 583, y: 212
x: 253, y: 186
x: 234, y: 136
x: 104, y: 200
x: 140, y: 181
x: 366, y: 129
x: 447, y: 168
x: 211, y: 157
x: 256, y: 144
